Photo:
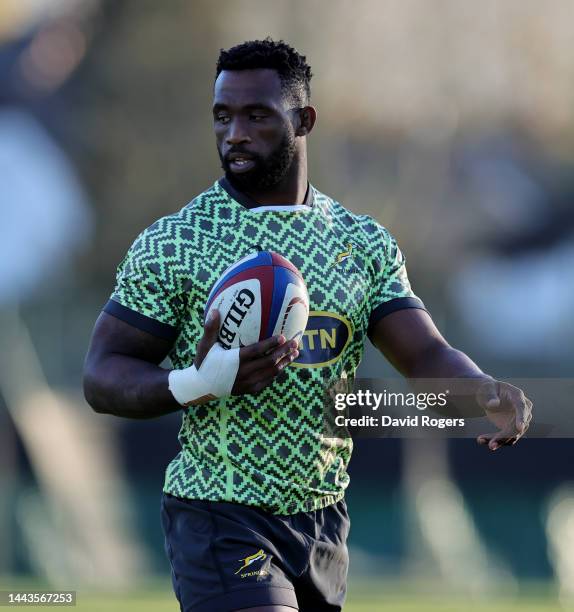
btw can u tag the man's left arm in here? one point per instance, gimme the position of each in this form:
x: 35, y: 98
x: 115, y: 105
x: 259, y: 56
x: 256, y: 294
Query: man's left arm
x: 410, y: 341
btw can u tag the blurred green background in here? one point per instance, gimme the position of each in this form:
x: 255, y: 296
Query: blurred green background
x: 450, y: 122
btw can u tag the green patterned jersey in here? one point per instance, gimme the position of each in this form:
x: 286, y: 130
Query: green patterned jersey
x: 267, y: 449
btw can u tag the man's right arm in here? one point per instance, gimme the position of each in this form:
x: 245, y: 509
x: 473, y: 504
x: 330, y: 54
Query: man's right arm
x: 122, y: 375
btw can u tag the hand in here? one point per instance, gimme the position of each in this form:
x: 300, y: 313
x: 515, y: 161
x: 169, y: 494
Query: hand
x: 508, y: 408
x: 259, y: 363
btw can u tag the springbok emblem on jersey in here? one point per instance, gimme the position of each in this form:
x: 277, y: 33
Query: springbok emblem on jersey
x: 344, y: 255
x: 258, y: 556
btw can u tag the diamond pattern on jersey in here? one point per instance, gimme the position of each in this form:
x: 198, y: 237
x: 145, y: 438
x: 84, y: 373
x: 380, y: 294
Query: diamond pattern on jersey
x: 266, y: 449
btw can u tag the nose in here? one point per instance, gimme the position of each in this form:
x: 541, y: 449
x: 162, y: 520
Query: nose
x: 237, y: 132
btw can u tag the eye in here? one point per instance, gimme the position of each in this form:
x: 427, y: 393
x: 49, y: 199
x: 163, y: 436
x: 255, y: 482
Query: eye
x: 223, y: 119
x: 257, y: 117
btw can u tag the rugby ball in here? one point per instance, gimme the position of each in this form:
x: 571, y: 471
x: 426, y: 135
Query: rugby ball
x: 259, y: 296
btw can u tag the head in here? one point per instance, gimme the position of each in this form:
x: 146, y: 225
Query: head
x: 261, y: 112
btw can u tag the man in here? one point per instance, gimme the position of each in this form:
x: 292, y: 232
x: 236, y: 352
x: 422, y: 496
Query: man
x: 253, y: 508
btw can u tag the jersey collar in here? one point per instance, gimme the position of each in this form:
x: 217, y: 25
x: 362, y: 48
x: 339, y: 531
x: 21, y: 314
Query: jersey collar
x: 254, y: 206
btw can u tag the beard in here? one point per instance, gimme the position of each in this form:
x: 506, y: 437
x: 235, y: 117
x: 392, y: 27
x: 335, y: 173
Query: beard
x: 267, y: 172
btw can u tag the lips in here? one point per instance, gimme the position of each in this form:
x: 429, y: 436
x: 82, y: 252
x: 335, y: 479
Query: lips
x: 240, y: 162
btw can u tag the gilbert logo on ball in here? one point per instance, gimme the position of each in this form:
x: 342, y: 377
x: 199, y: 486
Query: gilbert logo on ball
x: 261, y: 295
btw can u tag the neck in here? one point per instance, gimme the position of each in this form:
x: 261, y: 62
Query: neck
x: 292, y: 189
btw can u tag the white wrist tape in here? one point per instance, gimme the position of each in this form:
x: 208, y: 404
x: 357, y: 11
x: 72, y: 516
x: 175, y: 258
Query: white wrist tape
x: 215, y: 377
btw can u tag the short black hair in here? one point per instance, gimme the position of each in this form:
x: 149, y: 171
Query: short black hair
x: 292, y: 67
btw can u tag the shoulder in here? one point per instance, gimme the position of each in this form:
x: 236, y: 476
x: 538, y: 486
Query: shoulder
x: 364, y: 229
x: 181, y: 226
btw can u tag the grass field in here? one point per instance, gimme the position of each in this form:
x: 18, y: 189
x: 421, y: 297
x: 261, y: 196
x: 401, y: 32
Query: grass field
x: 162, y: 602
x: 363, y: 597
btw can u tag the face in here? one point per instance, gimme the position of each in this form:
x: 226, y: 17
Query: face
x: 253, y: 128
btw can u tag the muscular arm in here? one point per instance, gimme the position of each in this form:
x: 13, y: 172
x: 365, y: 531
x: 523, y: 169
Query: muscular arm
x: 122, y: 375
x: 413, y: 345
x: 410, y: 341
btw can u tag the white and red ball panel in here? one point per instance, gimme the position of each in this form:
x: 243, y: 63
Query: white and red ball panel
x: 293, y: 310
x: 261, y: 295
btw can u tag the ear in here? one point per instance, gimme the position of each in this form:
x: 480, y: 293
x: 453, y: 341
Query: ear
x: 307, y: 119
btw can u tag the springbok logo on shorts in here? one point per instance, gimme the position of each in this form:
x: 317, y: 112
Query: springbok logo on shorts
x: 247, y: 561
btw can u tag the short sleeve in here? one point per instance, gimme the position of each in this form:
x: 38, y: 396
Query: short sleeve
x: 391, y: 289
x: 145, y: 294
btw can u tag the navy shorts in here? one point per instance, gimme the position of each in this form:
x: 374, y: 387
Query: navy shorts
x: 227, y: 556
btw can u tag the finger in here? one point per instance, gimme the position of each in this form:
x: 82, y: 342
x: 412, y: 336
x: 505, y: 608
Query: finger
x: 287, y: 344
x: 274, y: 366
x: 494, y: 440
x: 521, y: 409
x: 209, y: 338
x: 528, y: 417
x: 508, y: 441
x: 266, y: 377
x: 487, y: 395
x: 501, y: 439
x: 289, y: 348
x: 528, y: 413
x: 286, y: 360
x: 486, y: 439
x: 262, y: 377
x: 260, y: 349
x: 269, y: 360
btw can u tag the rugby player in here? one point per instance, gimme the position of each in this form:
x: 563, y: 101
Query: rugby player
x: 253, y: 506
